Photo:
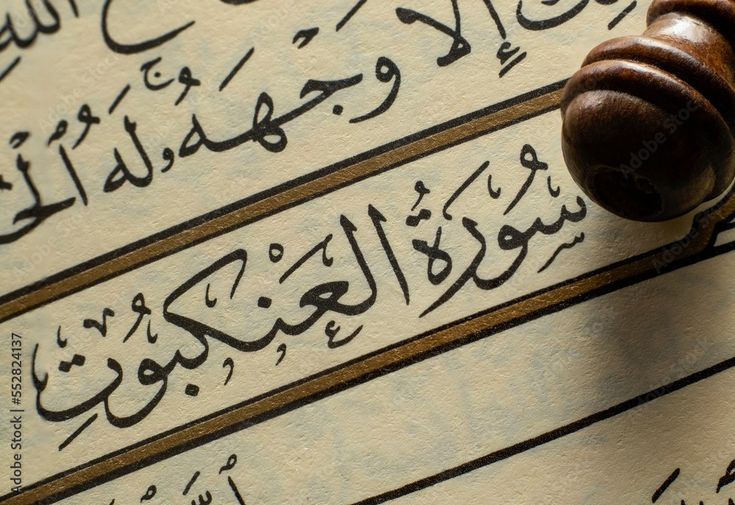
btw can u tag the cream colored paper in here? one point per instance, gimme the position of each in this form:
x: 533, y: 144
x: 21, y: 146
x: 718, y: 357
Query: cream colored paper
x: 483, y: 399
x: 73, y: 67
x: 310, y: 335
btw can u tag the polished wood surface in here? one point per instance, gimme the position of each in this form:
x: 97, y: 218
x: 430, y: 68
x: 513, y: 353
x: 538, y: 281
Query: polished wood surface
x: 649, y: 121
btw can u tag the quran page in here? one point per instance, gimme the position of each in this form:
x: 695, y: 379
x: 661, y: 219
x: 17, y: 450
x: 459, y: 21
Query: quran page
x: 329, y: 252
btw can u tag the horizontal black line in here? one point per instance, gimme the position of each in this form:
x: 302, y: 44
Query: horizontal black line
x: 174, y: 230
x: 457, y: 121
x: 364, y: 379
x: 469, y: 339
x: 550, y: 436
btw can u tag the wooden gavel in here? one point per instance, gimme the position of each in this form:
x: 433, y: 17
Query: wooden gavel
x: 649, y: 121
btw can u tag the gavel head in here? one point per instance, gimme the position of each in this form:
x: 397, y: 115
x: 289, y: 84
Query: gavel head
x: 649, y: 121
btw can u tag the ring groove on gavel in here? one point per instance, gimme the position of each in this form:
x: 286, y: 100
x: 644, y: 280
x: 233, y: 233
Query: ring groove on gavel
x: 649, y: 121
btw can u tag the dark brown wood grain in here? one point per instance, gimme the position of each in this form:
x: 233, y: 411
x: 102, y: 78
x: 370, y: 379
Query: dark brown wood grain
x: 649, y: 121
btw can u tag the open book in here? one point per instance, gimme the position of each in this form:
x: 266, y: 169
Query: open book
x: 328, y: 252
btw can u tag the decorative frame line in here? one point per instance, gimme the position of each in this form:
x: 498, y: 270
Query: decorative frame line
x: 697, y: 246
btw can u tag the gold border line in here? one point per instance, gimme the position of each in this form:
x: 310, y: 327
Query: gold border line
x: 361, y: 370
x: 208, y: 229
x: 373, y: 365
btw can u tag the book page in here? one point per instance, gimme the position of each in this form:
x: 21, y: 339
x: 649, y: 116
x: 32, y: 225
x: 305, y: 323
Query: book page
x: 329, y: 252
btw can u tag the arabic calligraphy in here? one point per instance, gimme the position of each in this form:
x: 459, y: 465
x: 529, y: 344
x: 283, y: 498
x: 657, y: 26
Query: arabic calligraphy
x: 220, y: 304
x: 105, y: 146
